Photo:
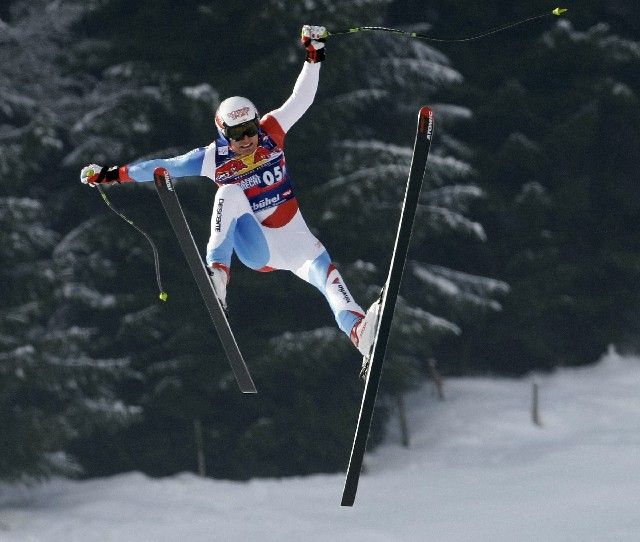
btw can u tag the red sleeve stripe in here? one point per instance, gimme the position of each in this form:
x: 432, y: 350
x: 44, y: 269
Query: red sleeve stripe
x: 271, y: 125
x: 123, y: 175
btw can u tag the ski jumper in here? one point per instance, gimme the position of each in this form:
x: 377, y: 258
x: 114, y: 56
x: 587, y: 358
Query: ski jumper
x: 255, y: 211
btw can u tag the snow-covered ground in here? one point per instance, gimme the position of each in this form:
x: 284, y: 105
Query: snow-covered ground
x: 477, y: 469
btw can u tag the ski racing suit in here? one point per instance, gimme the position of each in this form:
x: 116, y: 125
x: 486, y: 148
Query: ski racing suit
x: 255, y: 211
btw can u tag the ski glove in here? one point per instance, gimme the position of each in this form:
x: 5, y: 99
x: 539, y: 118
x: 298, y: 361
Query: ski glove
x: 313, y: 38
x: 94, y: 174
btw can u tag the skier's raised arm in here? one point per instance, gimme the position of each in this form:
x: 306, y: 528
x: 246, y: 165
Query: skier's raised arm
x: 186, y: 165
x: 304, y: 91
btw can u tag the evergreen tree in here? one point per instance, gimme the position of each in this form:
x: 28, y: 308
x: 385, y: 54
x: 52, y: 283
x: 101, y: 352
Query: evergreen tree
x: 118, y: 91
x: 559, y: 167
x: 539, y: 107
x: 56, y: 385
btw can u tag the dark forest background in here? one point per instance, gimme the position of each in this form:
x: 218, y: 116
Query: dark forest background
x: 525, y: 254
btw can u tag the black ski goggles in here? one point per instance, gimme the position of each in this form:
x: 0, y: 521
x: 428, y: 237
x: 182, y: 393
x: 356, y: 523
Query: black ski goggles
x: 237, y: 133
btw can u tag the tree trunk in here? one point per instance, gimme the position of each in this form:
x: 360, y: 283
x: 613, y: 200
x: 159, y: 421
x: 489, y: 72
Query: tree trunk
x: 402, y: 415
x: 197, y: 429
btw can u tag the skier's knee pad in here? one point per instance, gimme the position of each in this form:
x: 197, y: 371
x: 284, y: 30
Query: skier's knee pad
x: 250, y: 243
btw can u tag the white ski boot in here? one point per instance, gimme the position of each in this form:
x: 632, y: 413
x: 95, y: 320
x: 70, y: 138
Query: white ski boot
x: 364, y: 334
x: 219, y: 278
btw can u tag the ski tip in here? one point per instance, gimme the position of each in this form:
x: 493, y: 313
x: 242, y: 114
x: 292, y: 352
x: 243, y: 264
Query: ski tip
x: 559, y: 11
x: 162, y: 178
x: 425, y: 121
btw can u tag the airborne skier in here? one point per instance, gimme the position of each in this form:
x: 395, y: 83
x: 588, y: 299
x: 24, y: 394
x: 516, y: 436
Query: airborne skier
x: 255, y: 210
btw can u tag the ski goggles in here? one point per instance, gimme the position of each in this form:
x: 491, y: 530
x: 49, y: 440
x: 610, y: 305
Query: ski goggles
x: 237, y: 133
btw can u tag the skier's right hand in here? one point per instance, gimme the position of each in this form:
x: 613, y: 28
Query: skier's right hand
x: 94, y: 174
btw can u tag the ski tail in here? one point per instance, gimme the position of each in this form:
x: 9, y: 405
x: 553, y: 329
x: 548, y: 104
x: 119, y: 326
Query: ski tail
x: 421, y: 148
x: 171, y: 204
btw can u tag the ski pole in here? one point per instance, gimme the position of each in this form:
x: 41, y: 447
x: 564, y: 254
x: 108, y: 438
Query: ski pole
x: 557, y: 12
x: 156, y: 260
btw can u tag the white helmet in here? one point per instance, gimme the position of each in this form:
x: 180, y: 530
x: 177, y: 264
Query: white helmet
x: 233, y: 111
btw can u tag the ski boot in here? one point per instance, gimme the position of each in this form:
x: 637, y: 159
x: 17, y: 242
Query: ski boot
x: 219, y: 275
x: 364, y: 334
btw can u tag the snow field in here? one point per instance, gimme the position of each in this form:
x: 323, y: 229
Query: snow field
x: 477, y: 469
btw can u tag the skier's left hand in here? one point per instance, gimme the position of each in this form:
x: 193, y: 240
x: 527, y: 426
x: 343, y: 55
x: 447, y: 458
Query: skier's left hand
x: 313, y: 38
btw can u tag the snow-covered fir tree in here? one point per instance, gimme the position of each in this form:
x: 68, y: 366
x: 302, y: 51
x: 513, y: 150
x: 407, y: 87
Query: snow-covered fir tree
x: 111, y: 100
x: 557, y: 141
x: 58, y: 380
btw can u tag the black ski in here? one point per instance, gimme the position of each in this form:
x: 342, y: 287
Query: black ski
x: 172, y: 207
x: 389, y: 297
